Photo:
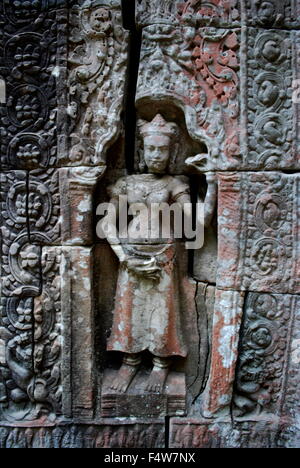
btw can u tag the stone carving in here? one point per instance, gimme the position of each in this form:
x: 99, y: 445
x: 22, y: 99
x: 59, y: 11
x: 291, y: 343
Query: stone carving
x: 225, y: 339
x: 217, y: 397
x: 262, y: 210
x: 31, y: 43
x: 270, y: 112
x: 96, y: 79
x: 211, y: 13
x: 147, y: 312
x: 260, y: 384
x: 272, y: 13
x: 106, y: 434
x: 77, y: 185
x: 201, y: 433
x: 30, y: 341
x: 197, y: 70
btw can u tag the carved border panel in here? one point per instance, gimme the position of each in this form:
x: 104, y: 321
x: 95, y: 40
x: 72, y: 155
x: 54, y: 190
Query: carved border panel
x: 259, y: 232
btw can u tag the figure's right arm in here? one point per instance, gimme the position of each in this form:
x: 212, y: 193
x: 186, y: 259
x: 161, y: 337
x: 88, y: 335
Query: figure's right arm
x: 113, y: 238
x: 107, y: 228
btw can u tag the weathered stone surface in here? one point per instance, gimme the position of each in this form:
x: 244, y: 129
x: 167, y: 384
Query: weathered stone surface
x: 216, y: 89
x: 78, y: 329
x: 201, y: 433
x: 272, y: 14
x: 30, y: 341
x: 215, y: 13
x: 268, y: 348
x: 20, y: 259
x: 205, y: 302
x: 258, y: 232
x: 77, y: 186
x: 96, y: 82
x: 138, y: 401
x: 269, y: 115
x: 32, y: 67
x: 227, y: 319
x: 195, y: 69
x: 108, y: 433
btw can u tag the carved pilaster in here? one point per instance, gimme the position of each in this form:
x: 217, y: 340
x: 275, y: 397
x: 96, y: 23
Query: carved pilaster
x: 77, y: 187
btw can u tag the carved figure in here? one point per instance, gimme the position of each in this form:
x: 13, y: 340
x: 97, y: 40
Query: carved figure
x: 147, y: 313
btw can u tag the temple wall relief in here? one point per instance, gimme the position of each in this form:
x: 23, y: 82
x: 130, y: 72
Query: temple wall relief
x: 123, y: 340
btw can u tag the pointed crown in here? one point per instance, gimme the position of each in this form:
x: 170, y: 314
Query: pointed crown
x: 159, y: 126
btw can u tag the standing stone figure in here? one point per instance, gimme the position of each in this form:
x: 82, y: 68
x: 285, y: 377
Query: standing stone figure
x: 147, y: 313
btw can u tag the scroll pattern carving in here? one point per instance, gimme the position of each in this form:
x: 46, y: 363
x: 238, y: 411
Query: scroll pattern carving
x: 264, y: 217
x: 96, y: 79
x: 30, y: 46
x: 264, y: 352
x: 30, y: 342
x: 270, y: 110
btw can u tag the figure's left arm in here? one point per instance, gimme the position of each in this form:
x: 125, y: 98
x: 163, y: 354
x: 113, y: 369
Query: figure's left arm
x: 210, y: 201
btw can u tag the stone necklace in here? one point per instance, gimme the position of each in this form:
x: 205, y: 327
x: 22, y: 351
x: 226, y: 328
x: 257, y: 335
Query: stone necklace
x: 155, y: 186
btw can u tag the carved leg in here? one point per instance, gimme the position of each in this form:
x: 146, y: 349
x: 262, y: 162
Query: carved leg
x: 158, y: 375
x: 127, y: 372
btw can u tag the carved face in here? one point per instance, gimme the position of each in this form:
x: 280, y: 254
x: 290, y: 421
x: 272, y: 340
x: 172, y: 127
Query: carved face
x: 100, y: 20
x: 157, y: 153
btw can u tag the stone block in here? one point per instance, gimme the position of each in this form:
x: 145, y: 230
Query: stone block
x: 258, y: 238
x: 78, y: 331
x: 268, y: 348
x: 217, y: 397
x: 137, y: 401
x: 267, y: 100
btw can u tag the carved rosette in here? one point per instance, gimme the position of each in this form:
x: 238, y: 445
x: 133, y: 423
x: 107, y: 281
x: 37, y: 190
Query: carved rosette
x: 97, y: 72
x: 30, y: 54
x: 30, y: 302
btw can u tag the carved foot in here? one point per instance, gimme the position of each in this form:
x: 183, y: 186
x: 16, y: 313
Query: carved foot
x: 157, y: 380
x: 126, y: 374
x: 124, y: 378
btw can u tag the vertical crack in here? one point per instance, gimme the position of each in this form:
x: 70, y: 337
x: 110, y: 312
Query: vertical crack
x: 239, y: 351
x: 130, y: 117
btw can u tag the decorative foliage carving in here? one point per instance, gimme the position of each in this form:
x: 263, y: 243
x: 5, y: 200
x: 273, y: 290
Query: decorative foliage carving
x: 44, y: 207
x: 270, y: 114
x: 30, y: 47
x: 272, y: 13
x: 262, y: 212
x: 96, y: 80
x: 196, y: 70
x: 31, y: 345
x: 212, y: 12
x: 264, y: 348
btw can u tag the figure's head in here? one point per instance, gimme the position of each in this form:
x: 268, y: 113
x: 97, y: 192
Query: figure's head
x: 158, y: 136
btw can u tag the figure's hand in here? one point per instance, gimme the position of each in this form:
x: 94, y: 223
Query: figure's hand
x: 144, y: 268
x: 198, y: 162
